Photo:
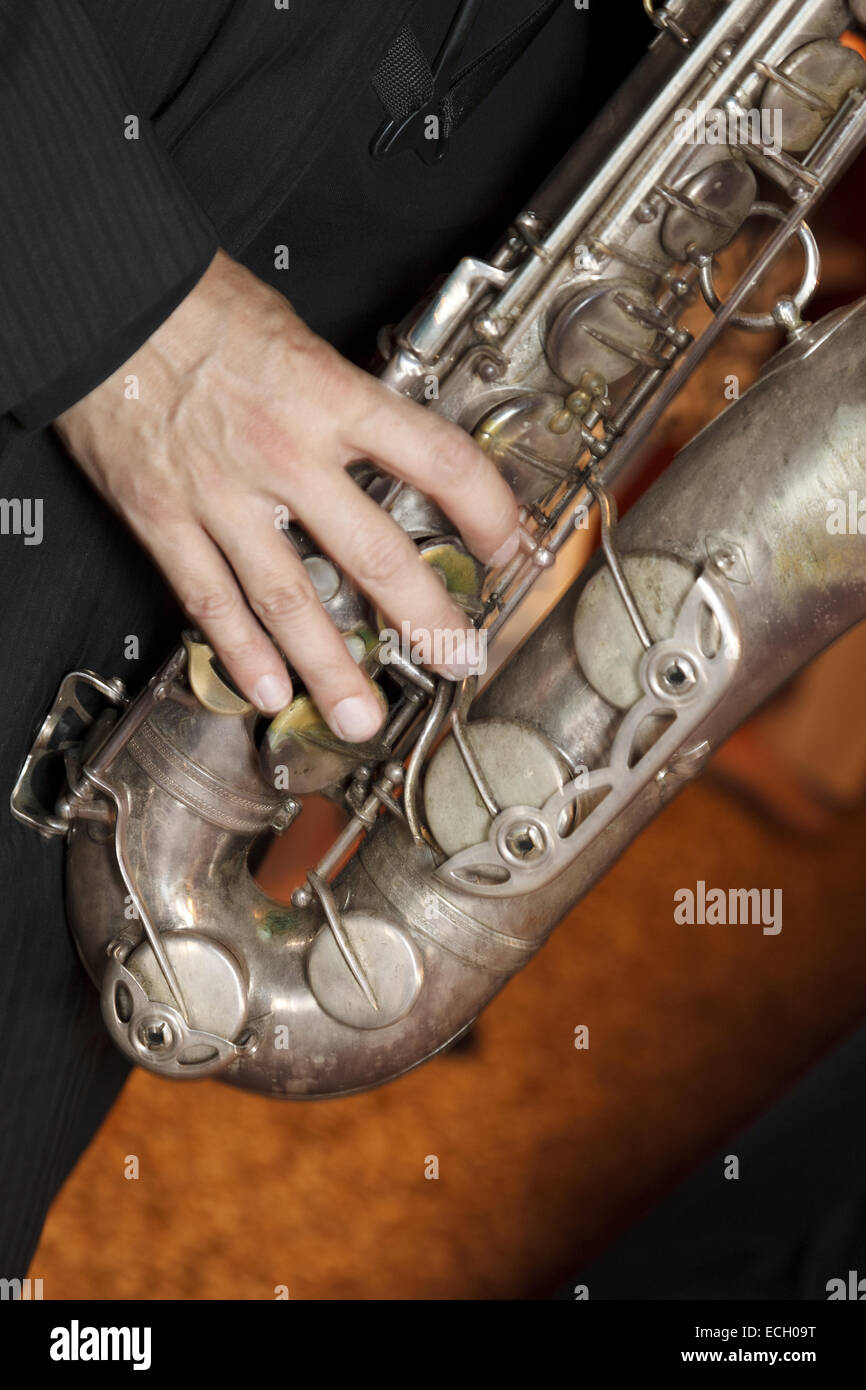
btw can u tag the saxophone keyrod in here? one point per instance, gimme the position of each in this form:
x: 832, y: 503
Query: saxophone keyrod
x: 767, y: 37
x: 607, y: 509
x: 835, y: 159
x: 135, y: 715
x: 804, y: 95
x: 432, y: 724
x: 332, y: 916
x: 461, y: 738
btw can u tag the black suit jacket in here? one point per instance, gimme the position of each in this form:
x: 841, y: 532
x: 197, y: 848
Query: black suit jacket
x: 102, y: 235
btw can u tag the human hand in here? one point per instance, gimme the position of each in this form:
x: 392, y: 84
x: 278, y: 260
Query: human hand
x: 242, y: 409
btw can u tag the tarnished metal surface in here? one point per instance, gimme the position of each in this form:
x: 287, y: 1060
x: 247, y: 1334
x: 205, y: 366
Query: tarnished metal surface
x: 559, y: 353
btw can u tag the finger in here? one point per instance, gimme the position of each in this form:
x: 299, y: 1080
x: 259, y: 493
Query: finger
x: 281, y: 594
x: 383, y: 561
x: 210, y: 594
x: 441, y: 460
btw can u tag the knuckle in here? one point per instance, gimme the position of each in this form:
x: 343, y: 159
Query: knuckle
x: 445, y: 463
x: 368, y: 406
x: 239, y: 651
x: 332, y: 678
x: 147, y: 500
x: 209, y: 605
x: 283, y: 602
x: 383, y: 557
x: 323, y: 368
x: 457, y: 463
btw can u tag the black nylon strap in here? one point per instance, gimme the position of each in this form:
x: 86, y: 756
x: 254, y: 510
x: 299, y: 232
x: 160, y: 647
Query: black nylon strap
x: 474, y: 82
x: 404, y: 78
x: 412, y: 91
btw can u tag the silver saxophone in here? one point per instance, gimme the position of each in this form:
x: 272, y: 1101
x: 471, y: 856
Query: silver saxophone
x: 478, y: 817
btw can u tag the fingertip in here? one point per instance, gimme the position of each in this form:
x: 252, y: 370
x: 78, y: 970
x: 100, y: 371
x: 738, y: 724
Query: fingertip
x: 272, y: 692
x: 357, y: 718
x: 506, y: 551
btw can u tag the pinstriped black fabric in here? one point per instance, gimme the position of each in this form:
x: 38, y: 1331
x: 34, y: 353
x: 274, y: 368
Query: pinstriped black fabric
x: 98, y: 236
x: 66, y: 604
x: 101, y: 235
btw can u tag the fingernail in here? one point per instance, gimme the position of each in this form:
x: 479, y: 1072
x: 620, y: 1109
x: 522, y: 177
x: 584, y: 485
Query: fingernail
x: 356, y: 719
x: 467, y: 664
x: 506, y: 551
x: 272, y: 693
x: 460, y: 670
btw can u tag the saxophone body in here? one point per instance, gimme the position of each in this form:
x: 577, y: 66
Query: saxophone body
x: 479, y: 817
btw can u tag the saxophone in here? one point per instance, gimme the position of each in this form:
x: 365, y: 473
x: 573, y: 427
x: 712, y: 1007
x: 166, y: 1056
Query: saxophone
x: 478, y: 817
